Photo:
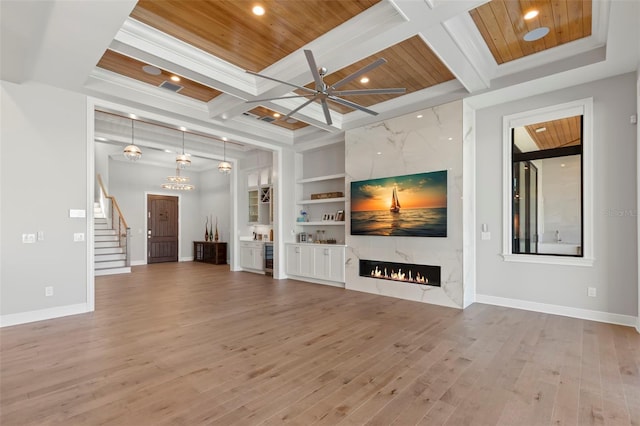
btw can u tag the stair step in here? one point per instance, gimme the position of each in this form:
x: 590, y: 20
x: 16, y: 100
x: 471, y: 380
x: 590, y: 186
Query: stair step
x: 105, y: 232
x: 112, y: 271
x: 104, y: 244
x: 110, y: 264
x: 105, y: 238
x: 109, y: 257
x: 108, y: 250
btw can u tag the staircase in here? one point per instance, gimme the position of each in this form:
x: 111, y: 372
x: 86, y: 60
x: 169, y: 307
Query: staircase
x: 110, y: 258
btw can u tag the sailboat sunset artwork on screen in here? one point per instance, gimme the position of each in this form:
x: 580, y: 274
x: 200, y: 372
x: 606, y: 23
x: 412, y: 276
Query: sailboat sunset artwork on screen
x: 402, y: 206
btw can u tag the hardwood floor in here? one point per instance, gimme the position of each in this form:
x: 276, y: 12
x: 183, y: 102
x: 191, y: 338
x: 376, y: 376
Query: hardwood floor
x: 191, y: 344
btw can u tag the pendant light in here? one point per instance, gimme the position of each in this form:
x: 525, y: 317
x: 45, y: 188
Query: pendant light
x: 183, y: 159
x: 178, y: 183
x: 132, y: 152
x: 224, y: 166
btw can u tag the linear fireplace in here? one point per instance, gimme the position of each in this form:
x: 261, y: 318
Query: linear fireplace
x: 402, y: 272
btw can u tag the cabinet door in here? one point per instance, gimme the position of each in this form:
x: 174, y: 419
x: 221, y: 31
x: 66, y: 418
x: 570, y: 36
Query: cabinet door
x: 246, y: 256
x: 322, y: 262
x: 257, y: 259
x: 307, y: 261
x: 336, y: 264
x: 253, y: 206
x: 292, y: 254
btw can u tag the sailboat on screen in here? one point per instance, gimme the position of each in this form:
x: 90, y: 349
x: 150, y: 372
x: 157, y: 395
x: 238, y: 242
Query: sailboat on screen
x: 395, y: 203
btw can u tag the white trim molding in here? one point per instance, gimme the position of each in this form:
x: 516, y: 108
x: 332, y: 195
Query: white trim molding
x: 43, y: 314
x: 566, y: 311
x: 583, y: 107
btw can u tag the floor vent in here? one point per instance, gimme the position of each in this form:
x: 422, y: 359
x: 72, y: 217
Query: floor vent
x: 170, y: 86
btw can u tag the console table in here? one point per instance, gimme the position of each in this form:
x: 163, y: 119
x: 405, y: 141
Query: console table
x: 210, y: 252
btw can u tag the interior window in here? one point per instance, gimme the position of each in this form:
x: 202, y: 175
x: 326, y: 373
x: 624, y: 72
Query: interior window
x: 548, y: 181
x: 547, y: 188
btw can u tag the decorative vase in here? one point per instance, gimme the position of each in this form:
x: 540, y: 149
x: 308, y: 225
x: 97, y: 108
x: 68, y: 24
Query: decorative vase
x: 216, y: 236
x: 206, y: 230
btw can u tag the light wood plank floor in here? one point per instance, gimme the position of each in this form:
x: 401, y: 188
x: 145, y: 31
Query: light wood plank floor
x: 192, y: 343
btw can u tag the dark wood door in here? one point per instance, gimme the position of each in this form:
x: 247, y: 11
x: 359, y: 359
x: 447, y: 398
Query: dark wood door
x: 162, y: 228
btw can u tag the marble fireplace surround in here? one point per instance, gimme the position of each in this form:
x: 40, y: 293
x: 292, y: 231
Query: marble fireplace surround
x: 401, y: 146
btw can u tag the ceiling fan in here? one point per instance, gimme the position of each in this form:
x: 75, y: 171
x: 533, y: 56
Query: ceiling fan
x: 324, y: 92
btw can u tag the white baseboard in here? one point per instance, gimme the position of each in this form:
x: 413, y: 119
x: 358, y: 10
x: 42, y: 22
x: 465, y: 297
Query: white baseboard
x: 186, y: 259
x: 566, y: 311
x: 43, y: 314
x: 138, y: 262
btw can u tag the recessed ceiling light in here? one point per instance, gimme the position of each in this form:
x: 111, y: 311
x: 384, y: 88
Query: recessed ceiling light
x: 531, y: 14
x: 150, y: 69
x: 364, y: 80
x: 541, y: 129
x: 379, y: 153
x: 450, y: 139
x: 168, y: 151
x: 175, y: 78
x: 419, y: 116
x: 184, y: 129
x: 258, y: 10
x: 133, y: 116
x: 562, y: 165
x: 536, y: 34
x: 276, y: 115
x: 224, y: 138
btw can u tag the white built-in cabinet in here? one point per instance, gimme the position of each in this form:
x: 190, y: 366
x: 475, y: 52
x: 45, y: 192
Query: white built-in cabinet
x: 324, y: 262
x: 251, y: 255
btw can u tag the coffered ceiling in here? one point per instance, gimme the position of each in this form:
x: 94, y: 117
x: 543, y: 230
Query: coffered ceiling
x: 438, y: 50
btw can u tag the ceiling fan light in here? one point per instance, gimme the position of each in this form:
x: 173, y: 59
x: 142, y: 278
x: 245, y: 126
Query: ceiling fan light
x: 132, y: 152
x: 224, y: 167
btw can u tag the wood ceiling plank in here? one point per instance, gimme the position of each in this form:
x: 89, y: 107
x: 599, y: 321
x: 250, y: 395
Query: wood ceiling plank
x: 229, y: 30
x: 503, y: 27
x: 132, y: 68
x: 559, y: 133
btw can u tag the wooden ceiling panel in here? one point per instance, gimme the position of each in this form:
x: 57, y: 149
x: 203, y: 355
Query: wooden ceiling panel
x: 410, y: 64
x: 229, y: 30
x: 557, y: 133
x: 502, y: 26
x: 263, y: 112
x: 132, y: 68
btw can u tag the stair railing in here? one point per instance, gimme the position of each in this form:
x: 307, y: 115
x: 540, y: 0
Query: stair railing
x: 118, y: 221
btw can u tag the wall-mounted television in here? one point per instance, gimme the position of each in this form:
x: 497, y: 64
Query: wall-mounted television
x: 400, y: 206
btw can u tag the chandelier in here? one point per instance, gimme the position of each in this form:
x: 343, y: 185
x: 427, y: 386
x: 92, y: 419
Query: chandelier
x: 224, y: 166
x: 177, y: 182
x: 183, y: 159
x: 132, y: 152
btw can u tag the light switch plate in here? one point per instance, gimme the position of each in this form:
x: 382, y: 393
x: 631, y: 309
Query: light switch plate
x: 28, y: 238
x: 77, y: 213
x: 485, y: 235
x: 78, y: 237
x: 40, y: 235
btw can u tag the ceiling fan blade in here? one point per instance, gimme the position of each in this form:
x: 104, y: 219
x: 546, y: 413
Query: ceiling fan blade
x: 306, y: 89
x: 358, y: 73
x: 299, y: 108
x: 327, y: 114
x: 351, y: 105
x: 314, y: 69
x: 281, y: 97
x: 390, y: 91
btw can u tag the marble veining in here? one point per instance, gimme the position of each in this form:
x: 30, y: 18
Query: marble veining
x: 409, y: 145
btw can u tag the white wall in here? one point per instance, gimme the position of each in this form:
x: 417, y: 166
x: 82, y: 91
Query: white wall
x: 410, y: 145
x: 129, y: 182
x: 215, y: 201
x: 615, y: 270
x: 43, y: 175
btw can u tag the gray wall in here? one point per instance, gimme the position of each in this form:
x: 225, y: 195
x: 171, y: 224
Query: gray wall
x: 614, y: 273
x: 43, y: 175
x: 129, y: 182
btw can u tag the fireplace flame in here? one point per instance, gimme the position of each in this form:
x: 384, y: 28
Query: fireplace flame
x: 399, y: 276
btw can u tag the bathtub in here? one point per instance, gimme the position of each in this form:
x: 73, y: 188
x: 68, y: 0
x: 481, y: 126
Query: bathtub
x: 559, y: 248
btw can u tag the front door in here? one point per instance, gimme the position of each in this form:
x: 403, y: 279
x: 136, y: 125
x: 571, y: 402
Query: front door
x: 162, y: 228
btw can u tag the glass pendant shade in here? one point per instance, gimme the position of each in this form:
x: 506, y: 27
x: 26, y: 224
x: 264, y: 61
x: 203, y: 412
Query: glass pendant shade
x: 183, y: 160
x: 224, y: 166
x: 132, y: 152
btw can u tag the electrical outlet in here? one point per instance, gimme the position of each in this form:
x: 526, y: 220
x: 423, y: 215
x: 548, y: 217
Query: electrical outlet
x: 78, y: 237
x: 48, y: 291
x: 591, y: 291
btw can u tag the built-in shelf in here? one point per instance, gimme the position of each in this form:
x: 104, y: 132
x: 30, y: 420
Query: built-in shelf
x: 322, y: 201
x: 322, y: 223
x: 322, y: 178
